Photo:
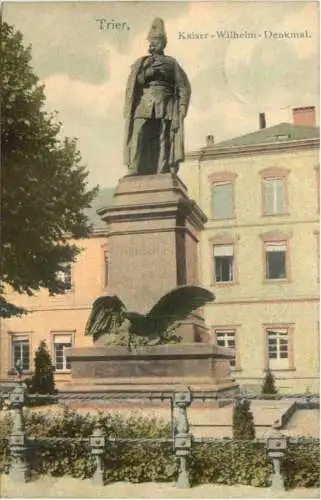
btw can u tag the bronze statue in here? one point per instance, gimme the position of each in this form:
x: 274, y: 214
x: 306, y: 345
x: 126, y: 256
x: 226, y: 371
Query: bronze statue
x: 157, y: 99
x: 110, y: 316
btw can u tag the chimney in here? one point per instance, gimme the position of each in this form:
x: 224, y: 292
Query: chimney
x: 262, y: 121
x: 210, y: 140
x: 304, y: 116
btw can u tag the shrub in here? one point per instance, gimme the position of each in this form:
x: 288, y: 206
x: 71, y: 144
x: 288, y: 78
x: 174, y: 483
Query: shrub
x: 220, y: 461
x: 302, y: 465
x: 42, y: 381
x: 230, y: 462
x: 5, y: 429
x: 134, y: 462
x: 268, y: 386
x: 243, y: 422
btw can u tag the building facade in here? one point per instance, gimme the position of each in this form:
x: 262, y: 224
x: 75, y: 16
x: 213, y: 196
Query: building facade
x: 259, y: 252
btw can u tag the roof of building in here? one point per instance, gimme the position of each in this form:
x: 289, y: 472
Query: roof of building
x: 103, y: 199
x: 280, y: 132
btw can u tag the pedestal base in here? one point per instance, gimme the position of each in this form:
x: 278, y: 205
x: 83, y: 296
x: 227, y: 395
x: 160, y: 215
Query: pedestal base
x: 151, y: 368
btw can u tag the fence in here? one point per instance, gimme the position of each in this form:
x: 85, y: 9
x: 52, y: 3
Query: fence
x: 182, y: 439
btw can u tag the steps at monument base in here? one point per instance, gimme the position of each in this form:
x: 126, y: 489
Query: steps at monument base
x: 154, y: 384
x: 149, y: 392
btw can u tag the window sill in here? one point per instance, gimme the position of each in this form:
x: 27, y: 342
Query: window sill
x: 281, y: 214
x: 277, y: 281
x: 282, y: 370
x: 215, y: 219
x: 24, y: 373
x: 62, y: 372
x: 233, y: 370
x: 225, y: 283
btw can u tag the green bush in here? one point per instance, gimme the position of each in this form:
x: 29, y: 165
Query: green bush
x: 220, y: 462
x: 42, y: 381
x: 5, y: 429
x: 302, y: 465
x: 230, y: 462
x: 243, y: 422
x: 268, y: 386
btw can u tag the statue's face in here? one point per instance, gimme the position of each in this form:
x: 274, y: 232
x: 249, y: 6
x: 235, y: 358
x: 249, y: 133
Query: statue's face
x: 156, y: 46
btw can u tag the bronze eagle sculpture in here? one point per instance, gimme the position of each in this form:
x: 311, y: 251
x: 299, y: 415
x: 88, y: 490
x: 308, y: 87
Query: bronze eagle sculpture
x: 109, y: 313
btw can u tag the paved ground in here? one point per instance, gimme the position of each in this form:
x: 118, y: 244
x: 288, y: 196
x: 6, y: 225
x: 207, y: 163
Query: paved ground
x: 48, y: 487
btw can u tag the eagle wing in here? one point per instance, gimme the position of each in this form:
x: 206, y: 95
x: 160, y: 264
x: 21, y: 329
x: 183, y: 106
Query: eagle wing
x: 178, y: 304
x: 106, y: 315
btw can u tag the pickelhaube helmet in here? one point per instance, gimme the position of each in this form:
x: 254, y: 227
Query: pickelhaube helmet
x: 157, y: 30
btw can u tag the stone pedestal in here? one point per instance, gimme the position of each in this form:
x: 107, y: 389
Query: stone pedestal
x: 153, y: 232
x: 149, y: 368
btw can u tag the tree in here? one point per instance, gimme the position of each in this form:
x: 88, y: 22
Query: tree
x: 43, y: 185
x: 243, y: 422
x: 268, y: 386
x: 42, y: 381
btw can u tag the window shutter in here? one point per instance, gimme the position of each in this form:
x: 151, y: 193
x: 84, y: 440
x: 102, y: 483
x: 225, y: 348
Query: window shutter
x: 222, y: 199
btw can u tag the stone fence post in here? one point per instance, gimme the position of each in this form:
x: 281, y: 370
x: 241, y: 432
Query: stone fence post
x: 276, y: 445
x: 19, y: 470
x: 182, y: 437
x: 97, y: 444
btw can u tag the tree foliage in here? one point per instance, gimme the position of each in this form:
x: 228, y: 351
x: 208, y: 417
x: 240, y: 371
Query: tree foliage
x: 43, y: 184
x: 42, y: 381
x: 243, y: 422
x: 268, y: 386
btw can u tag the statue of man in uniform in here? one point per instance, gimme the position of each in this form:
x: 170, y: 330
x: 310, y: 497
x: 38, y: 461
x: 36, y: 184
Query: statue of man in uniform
x: 157, y: 99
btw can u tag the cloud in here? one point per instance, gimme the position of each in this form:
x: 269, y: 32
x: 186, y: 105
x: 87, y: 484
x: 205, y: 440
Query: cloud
x: 307, y: 18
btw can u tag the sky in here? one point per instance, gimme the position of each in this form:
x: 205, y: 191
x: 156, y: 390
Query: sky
x: 85, y: 68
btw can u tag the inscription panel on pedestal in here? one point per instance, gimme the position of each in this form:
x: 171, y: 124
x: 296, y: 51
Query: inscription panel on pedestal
x: 140, y: 368
x: 142, y: 268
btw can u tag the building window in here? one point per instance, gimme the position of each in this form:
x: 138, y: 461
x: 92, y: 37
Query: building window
x: 64, y: 275
x: 226, y: 338
x: 274, y: 190
x: 275, y: 260
x: 278, y: 348
x: 222, y: 200
x: 60, y: 343
x: 106, y: 268
x: 223, y: 263
x: 20, y: 349
x: 274, y: 196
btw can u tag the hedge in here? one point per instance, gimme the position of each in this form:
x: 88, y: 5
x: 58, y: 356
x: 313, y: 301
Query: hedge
x: 221, y: 462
